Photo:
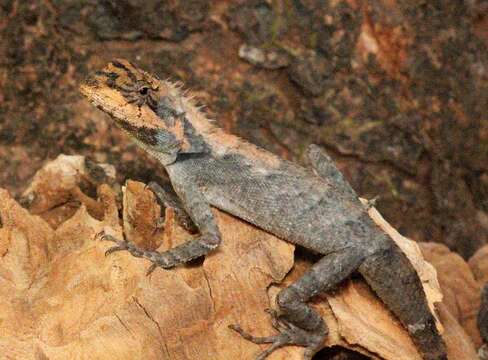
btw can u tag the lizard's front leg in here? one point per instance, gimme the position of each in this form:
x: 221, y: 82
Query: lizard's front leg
x: 201, y: 215
x: 169, y: 199
x: 298, y: 323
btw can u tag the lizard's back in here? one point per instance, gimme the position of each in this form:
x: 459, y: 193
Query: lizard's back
x: 282, y: 198
x: 209, y: 167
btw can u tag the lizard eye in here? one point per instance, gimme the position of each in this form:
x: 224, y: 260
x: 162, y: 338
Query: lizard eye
x: 144, y: 90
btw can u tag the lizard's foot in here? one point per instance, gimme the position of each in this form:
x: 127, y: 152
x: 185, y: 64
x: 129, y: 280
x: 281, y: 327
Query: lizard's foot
x: 168, y: 259
x: 134, y: 250
x: 121, y: 245
x: 289, y: 334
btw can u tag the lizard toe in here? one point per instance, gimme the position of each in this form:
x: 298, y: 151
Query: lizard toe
x: 102, y: 235
x: 115, y: 248
x: 151, y: 268
x: 289, y: 334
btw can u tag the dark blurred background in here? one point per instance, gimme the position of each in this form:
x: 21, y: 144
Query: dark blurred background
x: 395, y: 91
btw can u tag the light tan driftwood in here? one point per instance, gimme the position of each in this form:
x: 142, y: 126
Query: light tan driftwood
x: 461, y: 291
x: 61, y: 298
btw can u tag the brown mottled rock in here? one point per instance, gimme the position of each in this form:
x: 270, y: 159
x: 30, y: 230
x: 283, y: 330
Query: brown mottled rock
x: 479, y: 266
x: 401, y: 91
x: 61, y: 298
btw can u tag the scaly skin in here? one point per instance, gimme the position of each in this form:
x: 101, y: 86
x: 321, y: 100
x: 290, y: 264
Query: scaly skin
x: 483, y: 323
x: 317, y: 210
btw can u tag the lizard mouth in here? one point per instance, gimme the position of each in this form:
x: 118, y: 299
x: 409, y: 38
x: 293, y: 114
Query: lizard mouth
x: 92, y: 87
x: 100, y: 95
x: 125, y: 93
x: 103, y: 89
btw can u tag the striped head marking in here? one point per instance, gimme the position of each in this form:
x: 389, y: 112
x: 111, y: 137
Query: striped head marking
x: 151, y: 111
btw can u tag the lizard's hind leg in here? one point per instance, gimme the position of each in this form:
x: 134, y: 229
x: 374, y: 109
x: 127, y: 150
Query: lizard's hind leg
x: 298, y: 323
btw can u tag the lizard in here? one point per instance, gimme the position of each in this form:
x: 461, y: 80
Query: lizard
x: 315, y: 208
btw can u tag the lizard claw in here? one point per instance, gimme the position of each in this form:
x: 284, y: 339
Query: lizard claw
x: 107, y: 237
x: 289, y: 334
x: 151, y: 269
x: 103, y: 236
x: 120, y: 247
x: 100, y: 235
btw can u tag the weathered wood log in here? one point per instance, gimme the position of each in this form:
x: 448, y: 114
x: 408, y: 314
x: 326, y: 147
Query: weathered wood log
x: 60, y: 297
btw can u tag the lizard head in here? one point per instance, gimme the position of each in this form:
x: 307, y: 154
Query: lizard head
x: 153, y: 112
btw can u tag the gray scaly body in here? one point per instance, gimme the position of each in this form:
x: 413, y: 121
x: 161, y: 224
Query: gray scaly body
x: 315, y: 209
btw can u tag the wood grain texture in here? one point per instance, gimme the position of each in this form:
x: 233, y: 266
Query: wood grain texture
x: 60, y: 297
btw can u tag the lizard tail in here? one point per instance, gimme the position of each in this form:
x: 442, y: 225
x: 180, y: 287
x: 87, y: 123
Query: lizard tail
x: 396, y: 282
